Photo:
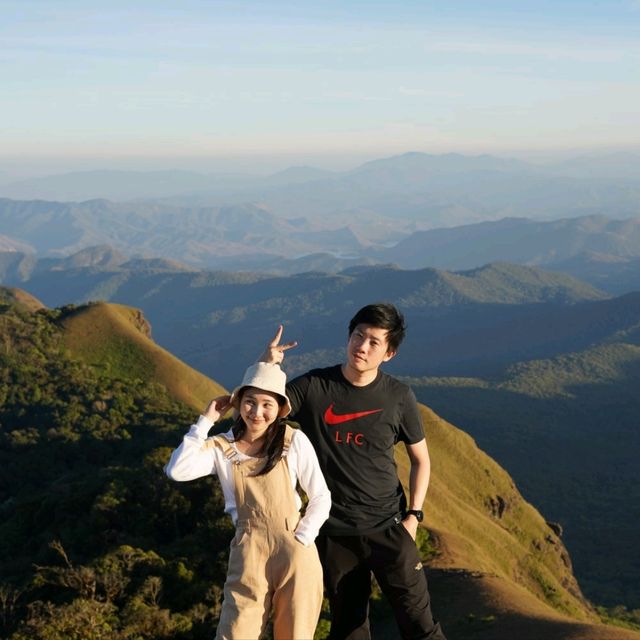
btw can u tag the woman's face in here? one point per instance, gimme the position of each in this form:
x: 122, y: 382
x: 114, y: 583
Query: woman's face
x: 258, y: 408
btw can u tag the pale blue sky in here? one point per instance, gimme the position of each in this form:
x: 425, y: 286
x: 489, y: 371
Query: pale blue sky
x: 220, y: 79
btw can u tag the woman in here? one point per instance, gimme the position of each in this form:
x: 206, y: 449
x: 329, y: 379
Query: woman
x: 273, y: 563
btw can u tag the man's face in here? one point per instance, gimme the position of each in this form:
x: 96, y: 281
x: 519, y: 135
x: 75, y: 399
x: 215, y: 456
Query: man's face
x: 368, y: 348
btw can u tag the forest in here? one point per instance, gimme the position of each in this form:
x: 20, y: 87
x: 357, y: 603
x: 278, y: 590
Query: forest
x: 93, y: 535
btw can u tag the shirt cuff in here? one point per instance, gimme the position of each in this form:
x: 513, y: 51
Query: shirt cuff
x: 303, y: 539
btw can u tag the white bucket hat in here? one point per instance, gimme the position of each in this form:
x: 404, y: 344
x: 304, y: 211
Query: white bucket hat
x: 267, y: 377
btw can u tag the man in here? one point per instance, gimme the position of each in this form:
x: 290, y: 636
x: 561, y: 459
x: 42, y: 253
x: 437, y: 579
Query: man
x: 354, y: 414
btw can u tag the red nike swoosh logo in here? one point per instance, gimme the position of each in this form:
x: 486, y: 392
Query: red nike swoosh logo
x: 333, y: 418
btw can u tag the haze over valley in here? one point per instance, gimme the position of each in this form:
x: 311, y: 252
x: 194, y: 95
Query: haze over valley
x: 415, y: 210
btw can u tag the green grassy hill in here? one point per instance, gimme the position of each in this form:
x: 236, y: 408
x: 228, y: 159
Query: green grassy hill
x: 117, y: 340
x: 18, y: 299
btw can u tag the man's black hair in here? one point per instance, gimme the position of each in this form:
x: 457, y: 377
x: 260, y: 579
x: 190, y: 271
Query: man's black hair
x: 382, y: 315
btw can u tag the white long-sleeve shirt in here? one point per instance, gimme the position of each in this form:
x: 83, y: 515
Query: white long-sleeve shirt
x: 192, y: 460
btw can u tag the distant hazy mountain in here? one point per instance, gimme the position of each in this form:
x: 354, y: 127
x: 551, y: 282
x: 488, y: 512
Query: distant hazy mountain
x: 519, y: 240
x: 102, y: 256
x: 445, y: 190
x: 16, y: 267
x: 282, y: 266
x: 10, y: 244
x: 401, y: 210
x: 119, y: 185
x: 200, y: 236
x: 411, y: 172
x: 431, y: 190
x: 620, y: 166
x: 252, y: 237
x: 134, y: 185
x: 296, y: 175
x: 613, y: 273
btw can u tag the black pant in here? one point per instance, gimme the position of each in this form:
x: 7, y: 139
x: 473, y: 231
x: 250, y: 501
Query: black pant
x: 392, y: 556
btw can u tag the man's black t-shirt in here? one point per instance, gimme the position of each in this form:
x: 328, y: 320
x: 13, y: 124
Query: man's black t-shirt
x: 353, y: 430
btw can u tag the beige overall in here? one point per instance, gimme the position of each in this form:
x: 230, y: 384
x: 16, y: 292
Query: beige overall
x: 268, y: 568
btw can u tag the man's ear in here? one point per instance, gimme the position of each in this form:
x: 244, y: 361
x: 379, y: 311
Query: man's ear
x: 389, y: 355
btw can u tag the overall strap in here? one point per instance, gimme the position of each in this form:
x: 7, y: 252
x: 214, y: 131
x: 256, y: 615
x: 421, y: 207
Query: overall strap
x: 224, y: 445
x: 288, y: 436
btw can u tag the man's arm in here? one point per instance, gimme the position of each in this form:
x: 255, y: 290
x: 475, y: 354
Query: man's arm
x: 418, y: 482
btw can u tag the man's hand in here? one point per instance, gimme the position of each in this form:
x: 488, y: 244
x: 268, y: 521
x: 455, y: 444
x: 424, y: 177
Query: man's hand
x: 217, y: 408
x: 410, y: 523
x: 274, y: 353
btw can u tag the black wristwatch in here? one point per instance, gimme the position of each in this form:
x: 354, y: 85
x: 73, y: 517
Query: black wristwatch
x: 417, y: 513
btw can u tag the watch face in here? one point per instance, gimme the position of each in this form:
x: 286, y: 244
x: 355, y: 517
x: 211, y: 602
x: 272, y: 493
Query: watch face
x: 418, y: 514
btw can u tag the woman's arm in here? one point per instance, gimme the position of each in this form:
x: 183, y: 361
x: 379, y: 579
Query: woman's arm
x: 192, y: 459
x: 313, y: 484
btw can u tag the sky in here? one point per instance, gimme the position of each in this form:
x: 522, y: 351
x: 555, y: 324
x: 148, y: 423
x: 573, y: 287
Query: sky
x: 118, y: 83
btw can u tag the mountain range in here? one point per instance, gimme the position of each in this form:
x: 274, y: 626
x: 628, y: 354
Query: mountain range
x: 109, y: 546
x: 499, y: 313
x: 251, y: 237
x: 437, y: 190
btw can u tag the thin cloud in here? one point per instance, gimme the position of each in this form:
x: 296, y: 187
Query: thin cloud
x: 596, y: 52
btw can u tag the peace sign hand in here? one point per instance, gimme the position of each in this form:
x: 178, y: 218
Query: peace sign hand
x: 274, y: 353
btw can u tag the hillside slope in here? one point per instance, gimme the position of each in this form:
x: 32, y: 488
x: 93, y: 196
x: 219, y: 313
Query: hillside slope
x: 117, y: 340
x: 500, y: 570
x: 86, y: 391
x: 19, y: 299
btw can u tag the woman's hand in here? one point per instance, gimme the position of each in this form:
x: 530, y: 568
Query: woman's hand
x: 274, y: 353
x: 217, y: 408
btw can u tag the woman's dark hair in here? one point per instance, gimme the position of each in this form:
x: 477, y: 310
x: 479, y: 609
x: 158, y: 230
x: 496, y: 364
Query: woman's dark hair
x: 274, y: 439
x: 382, y: 315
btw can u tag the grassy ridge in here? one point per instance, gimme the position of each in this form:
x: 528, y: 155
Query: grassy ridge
x: 483, y: 524
x: 500, y: 571
x: 117, y: 339
x: 18, y: 299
